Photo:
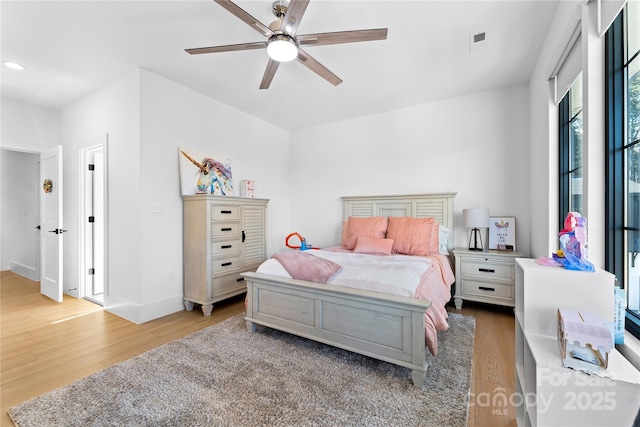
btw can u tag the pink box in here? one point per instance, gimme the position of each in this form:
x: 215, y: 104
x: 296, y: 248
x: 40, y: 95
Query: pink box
x: 585, y: 341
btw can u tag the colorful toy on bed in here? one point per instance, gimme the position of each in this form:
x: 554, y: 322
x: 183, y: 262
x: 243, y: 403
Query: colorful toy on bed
x: 303, y: 242
x: 573, y: 244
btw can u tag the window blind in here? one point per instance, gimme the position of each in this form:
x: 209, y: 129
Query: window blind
x: 566, y: 62
x: 607, y: 12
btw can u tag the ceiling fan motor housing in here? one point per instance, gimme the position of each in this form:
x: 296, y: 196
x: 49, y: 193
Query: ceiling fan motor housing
x: 279, y: 8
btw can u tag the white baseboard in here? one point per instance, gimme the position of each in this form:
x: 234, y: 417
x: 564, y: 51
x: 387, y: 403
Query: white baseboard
x: 25, y: 271
x: 141, y: 313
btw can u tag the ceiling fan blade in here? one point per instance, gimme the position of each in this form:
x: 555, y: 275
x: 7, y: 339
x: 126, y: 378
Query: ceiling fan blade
x: 294, y: 14
x: 227, y: 48
x: 312, y: 64
x: 272, y: 67
x: 320, y: 39
x: 245, y: 17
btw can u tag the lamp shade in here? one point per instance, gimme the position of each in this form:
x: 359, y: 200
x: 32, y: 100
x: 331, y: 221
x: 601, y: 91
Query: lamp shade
x: 475, y: 218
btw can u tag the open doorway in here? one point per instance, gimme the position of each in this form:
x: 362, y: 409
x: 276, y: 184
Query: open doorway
x: 20, y: 213
x: 93, y: 219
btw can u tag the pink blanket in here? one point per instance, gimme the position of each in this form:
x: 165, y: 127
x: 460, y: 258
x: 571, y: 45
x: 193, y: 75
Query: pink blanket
x: 435, y: 286
x: 304, y: 266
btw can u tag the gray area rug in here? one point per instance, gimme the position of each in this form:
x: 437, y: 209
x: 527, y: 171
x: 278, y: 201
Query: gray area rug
x: 226, y: 376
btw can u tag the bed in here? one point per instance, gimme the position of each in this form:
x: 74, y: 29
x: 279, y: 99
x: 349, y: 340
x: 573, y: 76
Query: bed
x: 379, y: 325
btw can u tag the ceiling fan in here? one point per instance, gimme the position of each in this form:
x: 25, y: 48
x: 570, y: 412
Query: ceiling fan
x: 283, y: 43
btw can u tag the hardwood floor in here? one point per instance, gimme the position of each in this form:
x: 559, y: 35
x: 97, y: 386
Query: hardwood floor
x: 45, y: 345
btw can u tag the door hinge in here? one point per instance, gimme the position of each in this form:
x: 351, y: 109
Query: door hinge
x: 92, y: 219
x: 92, y: 271
x: 92, y: 167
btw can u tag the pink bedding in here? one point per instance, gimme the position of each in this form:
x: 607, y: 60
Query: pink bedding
x: 428, y: 278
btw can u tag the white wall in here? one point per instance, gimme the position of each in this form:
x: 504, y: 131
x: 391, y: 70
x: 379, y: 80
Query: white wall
x: 113, y: 110
x: 173, y: 116
x: 147, y: 118
x: 25, y: 125
x: 476, y: 145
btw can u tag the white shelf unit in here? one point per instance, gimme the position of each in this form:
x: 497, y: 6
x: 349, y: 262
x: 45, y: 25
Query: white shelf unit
x: 547, y: 393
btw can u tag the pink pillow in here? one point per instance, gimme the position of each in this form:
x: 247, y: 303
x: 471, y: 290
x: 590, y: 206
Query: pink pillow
x: 435, y: 238
x: 373, y: 245
x: 345, y: 233
x: 375, y: 226
x: 412, y: 236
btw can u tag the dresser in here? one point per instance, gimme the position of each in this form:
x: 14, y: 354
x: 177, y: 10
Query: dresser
x: 224, y: 236
x: 485, y: 276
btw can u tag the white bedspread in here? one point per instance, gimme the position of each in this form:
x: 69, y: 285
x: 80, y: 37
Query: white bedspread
x: 389, y: 274
x: 428, y: 278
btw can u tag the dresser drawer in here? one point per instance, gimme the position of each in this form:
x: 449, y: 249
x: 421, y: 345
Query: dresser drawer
x: 488, y: 270
x: 489, y: 290
x: 225, y: 247
x: 225, y: 229
x: 228, y: 283
x: 223, y: 265
x: 225, y: 212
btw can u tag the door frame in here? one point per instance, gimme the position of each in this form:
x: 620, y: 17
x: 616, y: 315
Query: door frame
x: 101, y: 142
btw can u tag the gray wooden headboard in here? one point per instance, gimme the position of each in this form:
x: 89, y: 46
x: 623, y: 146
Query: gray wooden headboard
x: 437, y: 205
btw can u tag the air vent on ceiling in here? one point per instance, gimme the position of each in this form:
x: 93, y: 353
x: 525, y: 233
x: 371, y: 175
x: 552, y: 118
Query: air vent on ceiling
x: 477, y: 41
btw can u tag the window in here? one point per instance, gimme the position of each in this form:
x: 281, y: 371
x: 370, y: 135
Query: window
x: 571, y: 151
x: 622, y: 70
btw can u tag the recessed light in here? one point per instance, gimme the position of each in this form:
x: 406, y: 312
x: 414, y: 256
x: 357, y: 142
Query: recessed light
x: 14, y: 65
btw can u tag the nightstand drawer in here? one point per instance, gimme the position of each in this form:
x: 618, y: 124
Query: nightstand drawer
x: 490, y: 270
x: 490, y: 290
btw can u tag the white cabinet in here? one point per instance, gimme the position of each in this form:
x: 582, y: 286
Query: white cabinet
x: 485, y: 276
x: 224, y: 236
x: 547, y: 393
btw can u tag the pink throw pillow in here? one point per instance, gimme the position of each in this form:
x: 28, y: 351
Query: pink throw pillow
x: 373, y: 245
x: 345, y: 233
x: 412, y: 236
x: 435, y: 238
x: 375, y: 226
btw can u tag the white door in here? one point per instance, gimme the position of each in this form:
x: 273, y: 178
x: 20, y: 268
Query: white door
x: 51, y: 233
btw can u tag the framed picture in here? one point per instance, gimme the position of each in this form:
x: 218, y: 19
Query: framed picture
x: 502, y: 233
x: 204, y: 173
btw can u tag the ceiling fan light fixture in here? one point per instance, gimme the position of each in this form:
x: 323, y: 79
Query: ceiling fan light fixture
x: 282, y: 48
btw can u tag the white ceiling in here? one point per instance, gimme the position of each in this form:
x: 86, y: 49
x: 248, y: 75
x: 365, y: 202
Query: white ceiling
x: 71, y: 48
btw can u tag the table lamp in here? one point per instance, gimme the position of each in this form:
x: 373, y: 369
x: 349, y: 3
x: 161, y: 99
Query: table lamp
x: 475, y: 219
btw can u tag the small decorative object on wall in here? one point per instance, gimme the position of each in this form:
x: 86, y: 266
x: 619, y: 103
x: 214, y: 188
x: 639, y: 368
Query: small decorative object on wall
x: 204, y: 174
x: 502, y: 233
x: 47, y: 186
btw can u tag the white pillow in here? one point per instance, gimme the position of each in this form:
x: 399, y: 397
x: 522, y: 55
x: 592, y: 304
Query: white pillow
x: 443, y: 239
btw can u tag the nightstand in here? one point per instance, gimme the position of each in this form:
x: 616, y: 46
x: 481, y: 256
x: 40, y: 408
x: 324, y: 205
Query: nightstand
x: 485, y: 276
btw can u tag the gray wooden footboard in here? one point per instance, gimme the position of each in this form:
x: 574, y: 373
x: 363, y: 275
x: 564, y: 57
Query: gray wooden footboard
x: 385, y: 327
